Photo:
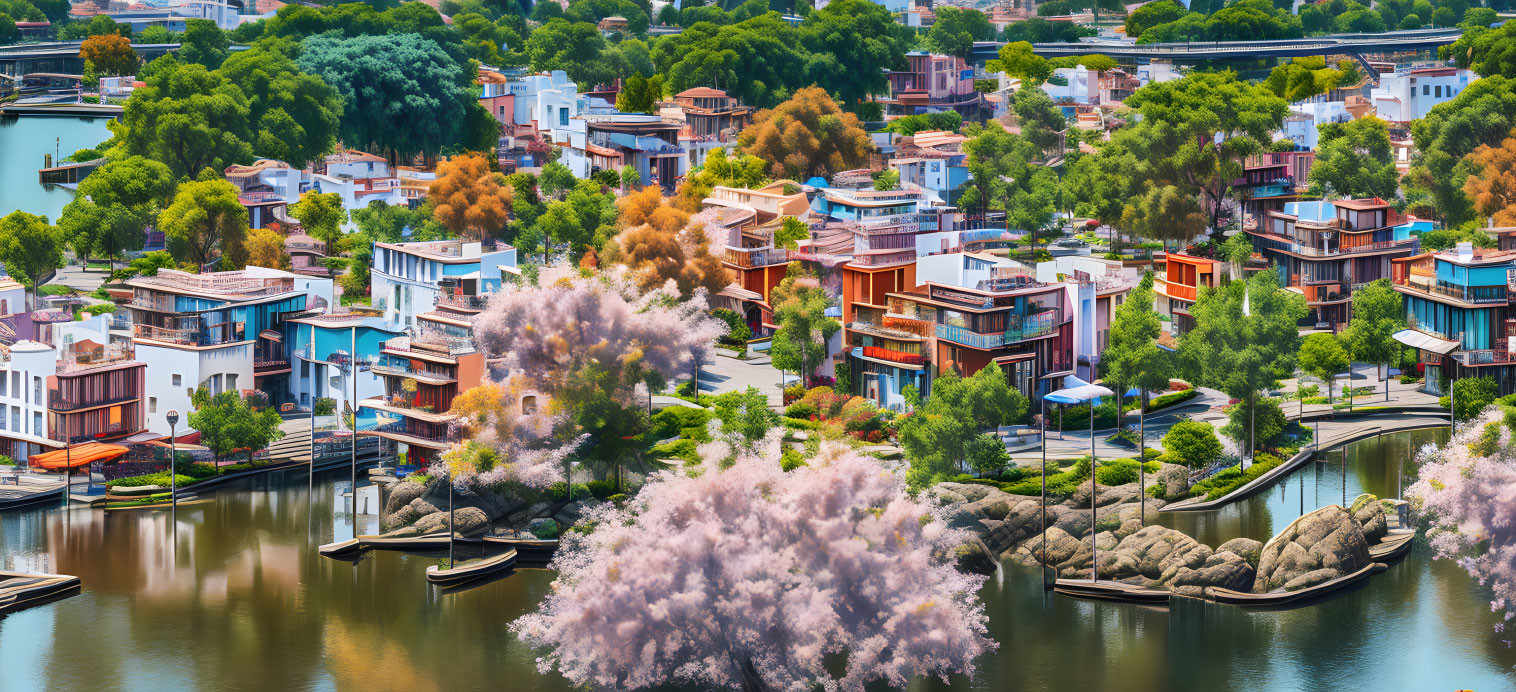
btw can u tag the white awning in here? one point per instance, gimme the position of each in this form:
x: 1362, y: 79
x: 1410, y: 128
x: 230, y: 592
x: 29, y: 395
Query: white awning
x: 1416, y: 338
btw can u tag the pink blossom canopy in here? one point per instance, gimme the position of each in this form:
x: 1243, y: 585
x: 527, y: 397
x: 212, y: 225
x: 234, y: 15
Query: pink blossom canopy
x: 752, y: 571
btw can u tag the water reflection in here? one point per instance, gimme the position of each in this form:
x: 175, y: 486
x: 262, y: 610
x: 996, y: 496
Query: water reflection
x: 242, y: 602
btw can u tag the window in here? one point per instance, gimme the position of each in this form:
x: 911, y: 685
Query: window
x: 37, y: 389
x: 16, y: 418
x: 231, y: 382
x: 563, y: 117
x: 152, y: 404
x: 178, y: 380
x: 1438, y: 91
x: 1426, y: 89
x: 16, y: 384
x: 37, y: 423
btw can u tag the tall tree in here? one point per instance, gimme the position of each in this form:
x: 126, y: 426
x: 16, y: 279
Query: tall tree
x: 321, y: 216
x: 956, y: 29
x: 115, y: 204
x: 853, y: 41
x: 1152, y: 14
x: 1356, y: 159
x: 206, y: 220
x: 379, y: 78
x: 30, y: 248
x: 111, y: 54
x: 203, y: 43
x: 940, y: 434
x: 265, y: 248
x: 800, y: 305
x: 187, y: 117
x: 293, y: 116
x: 469, y: 199
x: 1492, y: 185
x: 1198, y: 131
x: 807, y: 135
x: 1322, y: 356
x: 1378, y: 312
x: 1484, y: 113
x: 1245, y: 339
x: 1017, y: 60
x: 1132, y: 357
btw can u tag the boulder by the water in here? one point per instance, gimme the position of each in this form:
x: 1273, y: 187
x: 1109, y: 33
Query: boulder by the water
x: 974, y: 557
x: 1175, y: 480
x: 1000, y: 519
x: 1223, y: 568
x: 1245, y: 548
x: 1157, y: 552
x: 1327, y: 540
x: 468, y: 520
x: 1369, y: 513
x: 401, y: 494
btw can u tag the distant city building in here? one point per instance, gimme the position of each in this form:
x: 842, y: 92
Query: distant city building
x: 933, y: 83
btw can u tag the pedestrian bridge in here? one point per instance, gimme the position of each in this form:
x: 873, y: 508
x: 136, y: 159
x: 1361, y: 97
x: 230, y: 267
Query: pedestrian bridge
x: 1334, y: 44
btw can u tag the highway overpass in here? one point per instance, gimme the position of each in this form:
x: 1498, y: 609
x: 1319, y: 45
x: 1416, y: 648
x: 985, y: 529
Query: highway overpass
x: 1335, y: 44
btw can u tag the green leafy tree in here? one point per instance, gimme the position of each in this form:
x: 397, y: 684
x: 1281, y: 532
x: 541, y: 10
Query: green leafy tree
x: 1267, y: 419
x: 1198, y: 131
x: 203, y: 43
x: 1192, y: 443
x: 1378, y: 312
x: 379, y: 78
x: 321, y: 216
x: 1355, y: 158
x: 1471, y: 395
x: 1322, y: 356
x: 1017, y: 60
x: 851, y: 43
x: 791, y: 231
x: 986, y: 454
x: 8, y: 32
x: 956, y: 29
x: 230, y: 423
x: 556, y: 180
x: 745, y: 414
x: 205, y: 220
x: 1132, y: 357
x: 574, y: 47
x: 800, y: 304
x: 30, y: 248
x: 1302, y: 78
x: 1245, y: 339
x: 1484, y: 113
x: 114, y: 206
x: 639, y: 94
x: 887, y: 180
x: 293, y: 116
x: 1152, y: 14
x: 384, y: 222
x: 939, y: 435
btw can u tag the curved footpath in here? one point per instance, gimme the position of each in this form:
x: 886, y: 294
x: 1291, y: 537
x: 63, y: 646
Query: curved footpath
x: 1395, y: 419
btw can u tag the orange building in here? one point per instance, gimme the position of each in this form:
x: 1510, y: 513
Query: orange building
x: 1180, y: 282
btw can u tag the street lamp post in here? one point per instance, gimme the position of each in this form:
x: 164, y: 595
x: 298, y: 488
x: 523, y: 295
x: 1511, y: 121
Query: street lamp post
x: 173, y: 451
x: 353, y: 369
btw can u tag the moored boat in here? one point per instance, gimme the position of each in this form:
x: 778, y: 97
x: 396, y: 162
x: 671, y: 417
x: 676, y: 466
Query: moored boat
x: 1274, y: 598
x: 1110, y: 591
x: 471, y: 570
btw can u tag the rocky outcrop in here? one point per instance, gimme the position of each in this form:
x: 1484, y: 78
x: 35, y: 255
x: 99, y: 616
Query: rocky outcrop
x: 998, y: 518
x: 1324, y: 544
x: 1175, y: 480
x: 974, y: 557
x: 1369, y: 513
x: 1245, y: 548
x: 1223, y: 568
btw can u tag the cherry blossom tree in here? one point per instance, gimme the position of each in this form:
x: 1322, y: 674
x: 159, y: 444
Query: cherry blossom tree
x: 1467, y: 489
x: 755, y: 578
x: 512, y: 433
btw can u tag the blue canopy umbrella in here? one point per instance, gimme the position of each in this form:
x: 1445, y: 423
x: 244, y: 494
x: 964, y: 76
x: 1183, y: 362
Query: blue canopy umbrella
x: 1080, y: 392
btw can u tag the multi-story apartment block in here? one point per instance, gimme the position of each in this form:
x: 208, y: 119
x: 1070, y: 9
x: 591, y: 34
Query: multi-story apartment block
x: 25, y: 367
x: 224, y: 331
x: 421, y: 377
x: 1272, y: 179
x: 1458, y: 306
x: 408, y: 279
x: 932, y: 82
x: 1176, y: 287
x: 1409, y: 95
x: 1327, y: 249
x: 97, y: 392
x: 711, y: 119
x: 932, y: 161
x: 325, y: 350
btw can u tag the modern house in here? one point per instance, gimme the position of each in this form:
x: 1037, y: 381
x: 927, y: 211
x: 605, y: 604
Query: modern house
x: 1272, y: 179
x: 25, y: 368
x: 1327, y: 249
x: 1175, y: 289
x: 932, y: 160
x: 97, y: 393
x: 528, y: 108
x: 601, y: 139
x: 225, y: 331
x: 1458, y: 307
x: 1409, y: 95
x: 750, y: 219
x: 408, y: 279
x: 932, y: 83
x: 358, y: 178
x: 421, y: 377
x: 711, y: 120
x: 326, y: 348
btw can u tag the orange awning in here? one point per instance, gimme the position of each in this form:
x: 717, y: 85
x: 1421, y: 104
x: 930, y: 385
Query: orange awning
x: 79, y: 455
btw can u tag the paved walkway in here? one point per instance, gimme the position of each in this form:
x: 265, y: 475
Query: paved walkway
x: 721, y: 374
x: 81, y: 279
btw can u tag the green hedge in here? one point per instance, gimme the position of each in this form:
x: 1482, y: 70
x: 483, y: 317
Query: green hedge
x: 1224, y: 482
x: 683, y: 450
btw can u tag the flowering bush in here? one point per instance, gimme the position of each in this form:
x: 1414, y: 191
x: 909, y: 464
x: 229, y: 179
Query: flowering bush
x: 754, y: 576
x: 1468, y: 497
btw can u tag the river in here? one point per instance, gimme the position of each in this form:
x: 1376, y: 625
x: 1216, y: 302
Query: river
x: 239, y: 600
x: 24, y: 140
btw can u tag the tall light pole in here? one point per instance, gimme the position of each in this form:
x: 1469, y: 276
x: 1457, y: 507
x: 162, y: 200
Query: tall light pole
x: 353, y: 368
x: 173, y: 451
x: 310, y: 364
x: 1044, y: 491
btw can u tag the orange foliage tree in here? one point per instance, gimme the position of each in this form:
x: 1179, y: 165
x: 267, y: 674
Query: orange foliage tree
x: 658, y: 243
x: 807, y: 135
x: 468, y: 198
x: 111, y: 54
x: 1493, y: 188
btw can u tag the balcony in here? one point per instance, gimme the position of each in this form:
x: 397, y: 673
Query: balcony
x: 399, y: 432
x: 1410, y: 246
x: 268, y: 363
x: 458, y: 302
x: 57, y: 402
x: 1485, y: 357
x: 920, y: 328
x: 884, y: 332
x: 885, y: 259
x: 1180, y: 291
x: 748, y: 258
x: 402, y: 404
x: 1481, y: 295
x: 400, y: 367
x: 217, y: 334
x: 890, y: 354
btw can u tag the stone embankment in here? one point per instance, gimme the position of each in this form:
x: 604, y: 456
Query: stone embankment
x: 1325, y: 544
x: 412, y: 508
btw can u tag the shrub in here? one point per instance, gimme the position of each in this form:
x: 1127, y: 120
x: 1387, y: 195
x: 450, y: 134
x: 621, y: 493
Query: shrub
x: 618, y: 499
x: 1193, y: 442
x: 803, y: 410
x: 678, y: 421
x: 556, y: 491
x: 686, y: 389
x: 1232, y: 478
x: 798, y: 423
x: 683, y: 450
x: 160, y: 478
x: 100, y: 309
x: 794, y: 393
x: 790, y: 459
x: 326, y: 406
x: 1489, y: 440
x: 600, y: 490
x: 1167, y: 400
x: 6, y: 461
x: 546, y: 530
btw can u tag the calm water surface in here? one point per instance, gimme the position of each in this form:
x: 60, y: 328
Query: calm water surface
x: 23, y: 142
x: 239, y: 600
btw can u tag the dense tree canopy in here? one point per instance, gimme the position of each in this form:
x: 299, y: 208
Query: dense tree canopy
x: 1484, y: 113
x: 805, y: 136
x: 115, y: 204
x: 1355, y: 158
x: 204, y: 221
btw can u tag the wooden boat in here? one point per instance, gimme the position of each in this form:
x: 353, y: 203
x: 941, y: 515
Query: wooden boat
x: 1391, y: 547
x: 1274, y: 598
x: 471, y: 570
x: 425, y: 543
x: 341, y: 549
x: 24, y: 589
x: 527, y: 548
x: 1110, y: 591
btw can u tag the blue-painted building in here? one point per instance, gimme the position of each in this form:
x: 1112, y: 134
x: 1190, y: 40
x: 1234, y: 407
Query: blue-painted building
x: 409, y: 279
x: 1458, y: 308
